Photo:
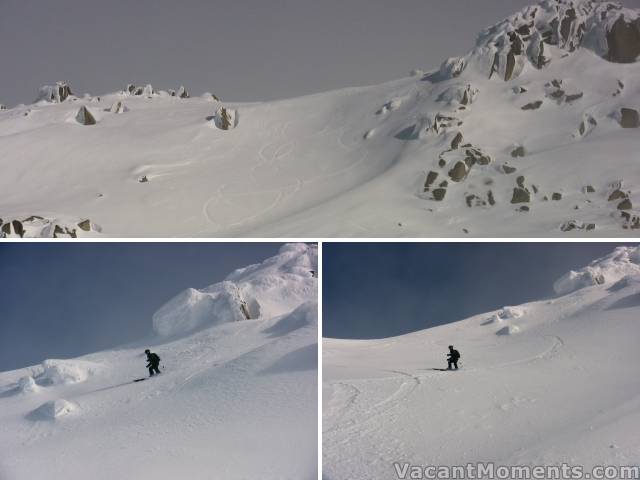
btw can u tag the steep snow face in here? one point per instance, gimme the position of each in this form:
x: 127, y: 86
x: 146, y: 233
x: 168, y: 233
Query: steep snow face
x: 623, y: 262
x: 555, y: 383
x: 272, y: 288
x: 235, y: 400
x: 512, y: 139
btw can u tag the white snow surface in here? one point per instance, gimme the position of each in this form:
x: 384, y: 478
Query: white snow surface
x: 312, y: 166
x: 561, y: 387
x: 623, y: 262
x: 264, y: 290
x: 234, y: 400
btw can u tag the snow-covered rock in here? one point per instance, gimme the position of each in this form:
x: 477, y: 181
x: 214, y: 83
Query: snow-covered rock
x: 508, y: 313
x: 530, y: 36
x: 118, y: 107
x: 269, y: 289
x: 53, y: 410
x: 62, y: 372
x: 508, y: 330
x: 182, y: 92
x: 85, y: 117
x: 612, y: 268
x: 54, y: 93
x: 27, y: 385
x: 313, y: 159
x: 226, y: 118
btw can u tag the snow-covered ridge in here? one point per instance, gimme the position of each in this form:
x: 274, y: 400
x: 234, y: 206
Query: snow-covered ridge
x: 540, y: 33
x: 512, y: 139
x: 622, y: 263
x: 275, y: 287
x: 539, y: 383
x: 234, y: 400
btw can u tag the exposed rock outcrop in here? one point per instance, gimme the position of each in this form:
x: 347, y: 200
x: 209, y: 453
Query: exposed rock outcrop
x: 182, y: 92
x: 226, y: 118
x: 629, y: 118
x: 84, y: 116
x: 623, y: 40
x: 572, y: 225
x: 55, y: 93
x: 118, y: 107
x: 505, y: 49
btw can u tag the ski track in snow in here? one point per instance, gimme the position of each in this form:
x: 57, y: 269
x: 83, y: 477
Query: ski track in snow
x: 349, y: 418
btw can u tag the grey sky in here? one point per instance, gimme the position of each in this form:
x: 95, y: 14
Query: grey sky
x: 380, y: 290
x: 63, y: 300
x: 240, y: 50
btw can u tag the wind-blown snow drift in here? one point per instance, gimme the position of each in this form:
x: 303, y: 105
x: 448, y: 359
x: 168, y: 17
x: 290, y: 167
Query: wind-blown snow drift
x: 235, y: 399
x: 624, y: 261
x: 265, y: 290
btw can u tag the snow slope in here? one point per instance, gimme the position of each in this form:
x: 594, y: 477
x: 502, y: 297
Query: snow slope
x: 235, y: 400
x: 522, y: 136
x: 559, y: 385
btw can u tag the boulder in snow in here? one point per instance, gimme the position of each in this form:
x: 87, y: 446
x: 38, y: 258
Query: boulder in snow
x: 191, y: 309
x: 508, y: 330
x: 53, y: 410
x: 118, y: 107
x: 84, y: 116
x: 623, y: 40
x: 57, y: 372
x: 54, y: 93
x: 226, y: 118
x: 27, y: 385
x: 629, y: 118
x: 182, y: 92
x: 452, y: 67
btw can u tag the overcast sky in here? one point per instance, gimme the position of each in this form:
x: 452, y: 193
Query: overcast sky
x: 240, y: 50
x: 380, y: 290
x: 64, y: 300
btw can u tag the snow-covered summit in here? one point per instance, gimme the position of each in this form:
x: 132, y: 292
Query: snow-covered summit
x: 512, y: 139
x: 540, y: 34
x: 622, y: 262
x: 235, y: 399
x: 266, y: 290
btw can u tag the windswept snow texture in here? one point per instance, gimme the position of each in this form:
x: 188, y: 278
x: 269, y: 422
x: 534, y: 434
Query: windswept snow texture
x: 557, y: 384
x: 234, y: 400
x: 512, y: 139
x: 265, y: 290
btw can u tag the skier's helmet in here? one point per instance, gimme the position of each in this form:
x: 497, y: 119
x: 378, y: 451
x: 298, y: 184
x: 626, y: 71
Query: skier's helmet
x: 147, y: 351
x: 450, y: 347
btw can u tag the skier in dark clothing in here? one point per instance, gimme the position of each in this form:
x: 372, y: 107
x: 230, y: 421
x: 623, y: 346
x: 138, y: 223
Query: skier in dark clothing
x: 153, y: 362
x: 452, y: 357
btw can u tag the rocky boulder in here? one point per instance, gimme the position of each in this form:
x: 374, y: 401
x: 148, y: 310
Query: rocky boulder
x: 629, y: 118
x: 54, y: 93
x: 226, y: 118
x: 84, y: 117
x: 605, y: 27
x: 623, y: 40
x: 118, y: 107
x: 182, y: 92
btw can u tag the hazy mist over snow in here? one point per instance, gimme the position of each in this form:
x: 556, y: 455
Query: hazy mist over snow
x: 241, y: 51
x: 383, y: 290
